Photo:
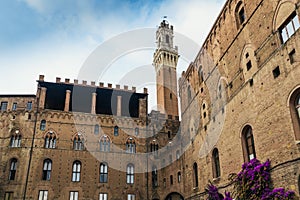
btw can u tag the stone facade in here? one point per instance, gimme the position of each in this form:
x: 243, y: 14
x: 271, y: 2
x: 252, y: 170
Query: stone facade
x: 239, y: 99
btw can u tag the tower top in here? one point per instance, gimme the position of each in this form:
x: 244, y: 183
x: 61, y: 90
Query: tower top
x: 164, y: 36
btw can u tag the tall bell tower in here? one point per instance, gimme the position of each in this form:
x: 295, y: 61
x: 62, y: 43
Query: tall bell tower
x: 165, y: 61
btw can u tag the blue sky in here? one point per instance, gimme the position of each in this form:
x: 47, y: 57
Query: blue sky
x: 55, y: 37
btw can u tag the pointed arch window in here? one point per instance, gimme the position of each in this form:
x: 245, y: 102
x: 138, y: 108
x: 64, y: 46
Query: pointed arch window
x: 195, y: 173
x: 103, y: 173
x: 50, y: 140
x: 104, y: 143
x: 240, y: 14
x: 216, y: 163
x: 130, y: 145
x: 15, y: 139
x: 78, y: 142
x: 12, y: 169
x: 130, y: 174
x: 76, y: 171
x: 154, y: 176
x: 294, y: 104
x: 248, y: 144
x: 43, y: 125
x: 47, y: 167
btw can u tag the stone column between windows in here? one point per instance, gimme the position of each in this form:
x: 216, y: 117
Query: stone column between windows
x: 93, y: 109
x: 67, y: 100
x: 42, y: 97
x: 119, y: 105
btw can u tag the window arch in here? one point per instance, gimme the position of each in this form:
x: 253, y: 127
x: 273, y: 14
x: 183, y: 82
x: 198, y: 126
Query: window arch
x: 248, y: 143
x: 167, y: 39
x: 130, y: 145
x: 12, y: 169
x: 78, y: 142
x: 294, y: 104
x: 130, y: 174
x: 43, y: 125
x: 136, y: 131
x: 105, y: 143
x: 96, y: 129
x: 179, y: 177
x: 116, y: 131
x: 195, y: 173
x: 76, y: 171
x: 15, y: 139
x: 154, y: 148
x: 47, y: 167
x: 103, y: 173
x: 216, y: 163
x: 240, y: 14
x: 154, y: 176
x: 50, y: 140
x: 177, y: 155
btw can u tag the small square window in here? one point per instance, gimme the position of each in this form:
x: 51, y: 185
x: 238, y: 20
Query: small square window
x: 292, y: 56
x: 276, y: 72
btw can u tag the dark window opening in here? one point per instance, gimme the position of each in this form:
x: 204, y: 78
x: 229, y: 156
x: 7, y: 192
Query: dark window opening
x: 216, y: 164
x: 12, y: 169
x: 47, y: 170
x: 43, y: 125
x: 242, y: 16
x: 249, y: 65
x: 292, y: 56
x: 276, y: 72
x: 195, y: 170
x: 116, y: 131
x: 171, y: 180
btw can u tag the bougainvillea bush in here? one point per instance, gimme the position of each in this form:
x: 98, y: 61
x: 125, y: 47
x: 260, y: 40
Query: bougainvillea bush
x: 251, y: 183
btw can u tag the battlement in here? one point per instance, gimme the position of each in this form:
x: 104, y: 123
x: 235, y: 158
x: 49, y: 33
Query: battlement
x: 93, y: 84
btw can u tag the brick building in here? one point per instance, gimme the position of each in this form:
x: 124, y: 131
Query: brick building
x: 239, y: 99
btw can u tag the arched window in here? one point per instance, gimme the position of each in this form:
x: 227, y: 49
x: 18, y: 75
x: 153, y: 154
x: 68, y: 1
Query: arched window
x: 130, y: 145
x: 136, y: 131
x: 96, y: 129
x: 295, y: 112
x: 47, y: 167
x: 130, y: 174
x: 50, y: 140
x: 12, y: 169
x: 248, y: 144
x: 103, y: 173
x: 177, y: 155
x: 154, y: 148
x: 104, y: 143
x: 171, y: 180
x: 15, y: 139
x: 116, y: 131
x: 179, y: 177
x: 216, y: 163
x: 240, y: 14
x: 43, y: 125
x: 76, y: 171
x: 167, y: 39
x: 195, y: 173
x: 154, y: 176
x: 78, y: 142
